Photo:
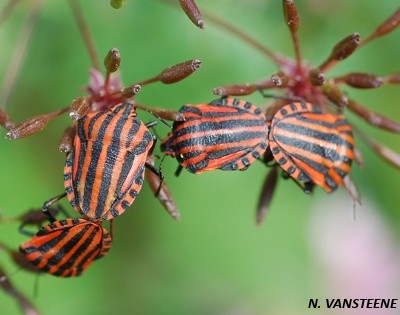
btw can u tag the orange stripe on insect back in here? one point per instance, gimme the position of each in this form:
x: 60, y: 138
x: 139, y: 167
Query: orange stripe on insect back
x: 194, y: 160
x: 85, y: 162
x: 91, y: 129
x: 335, y: 177
x: 323, y: 117
x: 216, y: 163
x: 129, y: 183
x: 206, y: 108
x: 95, y: 243
x: 317, y: 177
x: 102, y: 170
x: 301, y: 137
x: 109, y: 136
x: 77, y: 152
x: 138, y: 161
x: 348, y: 137
x: 92, y: 126
x: 318, y: 159
x: 324, y: 123
x: 125, y: 139
x: 184, y: 128
x: 210, y: 120
x: 72, y: 233
x: 38, y: 241
x: 45, y: 256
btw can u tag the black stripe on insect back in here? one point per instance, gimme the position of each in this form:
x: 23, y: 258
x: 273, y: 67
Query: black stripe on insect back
x: 320, y: 169
x: 142, y: 145
x: 194, y: 167
x: 129, y: 158
x: 227, y: 126
x: 109, y: 165
x: 329, y: 154
x: 313, y: 133
x: 321, y: 122
x: 224, y: 114
x: 220, y: 138
x: 83, y: 148
x: 82, y: 248
x: 133, y: 131
x: 68, y: 247
x: 97, y: 147
x: 127, y: 165
x: 217, y: 154
x: 316, y: 166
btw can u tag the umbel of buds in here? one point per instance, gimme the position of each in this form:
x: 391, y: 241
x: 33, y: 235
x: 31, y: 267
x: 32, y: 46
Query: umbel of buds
x: 104, y: 93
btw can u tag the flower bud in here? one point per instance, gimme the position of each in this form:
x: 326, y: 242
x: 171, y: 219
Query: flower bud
x: 361, y: 80
x: 67, y: 139
x: 179, y: 71
x: 291, y: 15
x: 316, y: 77
x: 193, y: 13
x: 131, y: 91
x: 28, y: 127
x: 386, y: 27
x: 79, y: 108
x: 335, y: 95
x: 117, y: 4
x: 112, y: 60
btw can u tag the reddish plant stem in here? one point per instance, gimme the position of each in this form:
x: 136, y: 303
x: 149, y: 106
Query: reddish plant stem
x: 19, y: 54
x: 85, y: 32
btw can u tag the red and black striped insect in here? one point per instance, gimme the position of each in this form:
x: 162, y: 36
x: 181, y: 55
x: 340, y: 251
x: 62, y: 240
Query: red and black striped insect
x: 67, y: 247
x: 104, y: 171
x: 226, y: 134
x: 312, y: 146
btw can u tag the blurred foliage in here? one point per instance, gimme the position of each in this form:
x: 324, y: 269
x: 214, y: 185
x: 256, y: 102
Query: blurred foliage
x: 216, y: 261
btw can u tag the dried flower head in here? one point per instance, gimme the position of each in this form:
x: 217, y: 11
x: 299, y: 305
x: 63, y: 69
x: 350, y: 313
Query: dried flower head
x: 104, y: 92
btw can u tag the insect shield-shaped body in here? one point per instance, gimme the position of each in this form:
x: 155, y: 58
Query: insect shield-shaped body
x: 66, y: 248
x: 105, y: 170
x: 226, y: 134
x: 312, y: 146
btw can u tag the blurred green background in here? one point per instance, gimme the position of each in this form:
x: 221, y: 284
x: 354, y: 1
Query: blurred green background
x: 216, y: 260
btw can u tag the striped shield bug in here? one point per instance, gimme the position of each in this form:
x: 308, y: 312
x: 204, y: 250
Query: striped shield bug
x: 226, y: 134
x: 67, y: 247
x: 312, y: 146
x: 104, y: 171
